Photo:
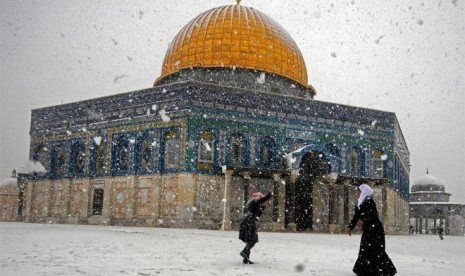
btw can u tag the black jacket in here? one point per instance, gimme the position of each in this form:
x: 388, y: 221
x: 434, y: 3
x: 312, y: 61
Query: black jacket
x: 252, y: 211
x: 368, y: 213
x: 372, y: 258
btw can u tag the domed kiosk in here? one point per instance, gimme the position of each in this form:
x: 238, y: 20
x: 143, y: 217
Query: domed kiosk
x: 431, y: 209
x: 428, y: 188
x: 231, y: 113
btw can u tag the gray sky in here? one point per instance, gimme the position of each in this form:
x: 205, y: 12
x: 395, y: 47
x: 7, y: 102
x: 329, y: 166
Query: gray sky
x: 406, y: 57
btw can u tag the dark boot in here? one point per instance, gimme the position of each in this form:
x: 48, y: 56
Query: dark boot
x: 244, y: 255
x: 248, y: 258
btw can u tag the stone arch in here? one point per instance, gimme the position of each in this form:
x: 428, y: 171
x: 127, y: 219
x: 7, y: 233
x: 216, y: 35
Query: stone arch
x: 334, y: 161
x: 312, y: 165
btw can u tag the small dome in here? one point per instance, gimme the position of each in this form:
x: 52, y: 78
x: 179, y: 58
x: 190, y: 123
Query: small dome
x: 428, y: 183
x: 235, y: 36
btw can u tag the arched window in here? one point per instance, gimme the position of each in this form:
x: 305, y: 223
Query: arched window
x: 206, y: 150
x: 355, y: 162
x: 238, y: 150
x: 144, y: 154
x: 39, y: 153
x: 171, y: 149
x: 97, y: 160
x: 120, y: 155
x: 378, y: 163
x: 266, y: 153
x: 77, y: 159
x: 58, y: 161
x: 42, y: 155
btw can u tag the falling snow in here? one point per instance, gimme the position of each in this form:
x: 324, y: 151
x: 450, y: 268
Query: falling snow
x: 164, y: 117
x: 261, y: 79
x: 207, y: 146
x: 98, y: 140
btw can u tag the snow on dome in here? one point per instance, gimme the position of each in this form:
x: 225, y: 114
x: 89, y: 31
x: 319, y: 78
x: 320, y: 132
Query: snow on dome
x: 428, y: 183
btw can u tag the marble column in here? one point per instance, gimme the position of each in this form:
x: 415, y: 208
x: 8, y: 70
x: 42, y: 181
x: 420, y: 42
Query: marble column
x: 227, y: 224
x: 292, y: 226
x: 279, y: 202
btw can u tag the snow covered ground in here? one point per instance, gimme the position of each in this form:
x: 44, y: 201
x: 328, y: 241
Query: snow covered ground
x: 51, y: 249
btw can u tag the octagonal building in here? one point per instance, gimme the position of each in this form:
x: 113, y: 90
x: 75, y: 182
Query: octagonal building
x: 231, y: 113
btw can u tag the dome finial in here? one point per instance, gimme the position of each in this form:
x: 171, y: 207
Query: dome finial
x: 238, y: 2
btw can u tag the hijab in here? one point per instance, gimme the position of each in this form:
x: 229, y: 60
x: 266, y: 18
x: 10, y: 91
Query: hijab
x: 365, y: 191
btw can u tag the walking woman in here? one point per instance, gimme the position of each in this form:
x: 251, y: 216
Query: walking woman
x: 253, y: 209
x: 372, y: 258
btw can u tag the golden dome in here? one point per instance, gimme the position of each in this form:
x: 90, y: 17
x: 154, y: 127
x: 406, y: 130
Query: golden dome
x: 235, y: 36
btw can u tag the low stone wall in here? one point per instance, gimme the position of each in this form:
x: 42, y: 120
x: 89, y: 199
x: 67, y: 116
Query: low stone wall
x: 9, y: 202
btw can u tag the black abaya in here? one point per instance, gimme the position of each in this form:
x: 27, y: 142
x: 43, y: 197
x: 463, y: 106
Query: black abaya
x: 372, y: 258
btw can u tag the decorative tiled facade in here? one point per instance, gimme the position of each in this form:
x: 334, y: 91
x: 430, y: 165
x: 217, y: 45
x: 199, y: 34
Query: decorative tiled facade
x: 190, y: 151
x: 145, y: 186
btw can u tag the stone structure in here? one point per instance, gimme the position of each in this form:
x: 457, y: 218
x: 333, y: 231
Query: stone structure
x: 430, y: 208
x: 231, y: 113
x: 12, y: 197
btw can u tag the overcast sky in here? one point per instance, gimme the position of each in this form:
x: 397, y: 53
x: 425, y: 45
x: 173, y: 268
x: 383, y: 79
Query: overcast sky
x: 406, y: 57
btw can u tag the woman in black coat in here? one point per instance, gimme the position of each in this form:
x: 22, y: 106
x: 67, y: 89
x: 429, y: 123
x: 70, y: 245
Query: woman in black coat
x: 372, y: 258
x: 253, y: 209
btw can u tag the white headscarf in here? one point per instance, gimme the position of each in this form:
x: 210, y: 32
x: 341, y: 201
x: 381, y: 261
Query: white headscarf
x: 365, y: 191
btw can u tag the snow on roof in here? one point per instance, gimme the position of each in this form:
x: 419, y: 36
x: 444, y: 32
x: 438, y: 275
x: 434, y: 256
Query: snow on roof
x: 428, y: 179
x: 429, y: 192
x: 427, y: 183
x: 435, y: 203
x: 32, y: 167
x: 8, y: 181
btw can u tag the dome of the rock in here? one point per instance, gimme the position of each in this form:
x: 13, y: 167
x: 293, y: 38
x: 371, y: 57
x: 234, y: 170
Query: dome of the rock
x: 235, y: 36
